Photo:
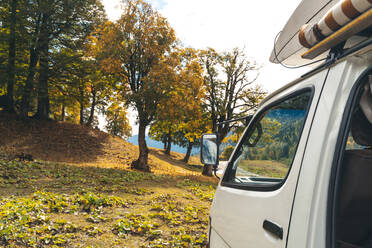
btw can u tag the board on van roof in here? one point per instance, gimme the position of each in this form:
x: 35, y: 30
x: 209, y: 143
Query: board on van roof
x: 288, y: 48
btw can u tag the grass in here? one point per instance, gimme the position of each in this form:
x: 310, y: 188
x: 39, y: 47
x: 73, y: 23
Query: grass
x: 80, y: 191
x: 48, y: 204
x: 82, y: 146
x: 264, y: 168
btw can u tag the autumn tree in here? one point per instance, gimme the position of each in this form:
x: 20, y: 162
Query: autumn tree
x: 46, y: 66
x: 229, y: 80
x: 195, y: 120
x: 52, y: 26
x: 163, y: 130
x: 170, y: 109
x: 137, y: 48
x: 191, y: 131
x: 13, y: 36
x: 100, y: 89
x: 117, y: 122
x: 12, y: 54
x: 179, y: 119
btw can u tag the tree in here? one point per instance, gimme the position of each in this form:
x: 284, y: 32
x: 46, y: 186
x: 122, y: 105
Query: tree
x: 170, y: 107
x: 54, y: 25
x: 12, y: 55
x: 179, y: 118
x: 100, y: 89
x: 34, y: 26
x: 163, y: 130
x: 137, y: 50
x: 45, y: 60
x: 117, y: 122
x: 191, y: 131
x: 229, y: 79
x: 194, y: 121
x: 13, y: 34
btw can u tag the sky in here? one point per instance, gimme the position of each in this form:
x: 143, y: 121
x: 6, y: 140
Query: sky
x: 223, y: 25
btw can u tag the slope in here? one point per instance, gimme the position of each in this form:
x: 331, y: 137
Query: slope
x: 85, y: 195
x: 81, y: 145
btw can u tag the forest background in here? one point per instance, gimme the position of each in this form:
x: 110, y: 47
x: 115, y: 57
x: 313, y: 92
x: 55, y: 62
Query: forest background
x: 65, y: 61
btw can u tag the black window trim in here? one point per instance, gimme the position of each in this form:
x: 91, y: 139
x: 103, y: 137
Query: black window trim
x: 336, y: 168
x: 257, y: 115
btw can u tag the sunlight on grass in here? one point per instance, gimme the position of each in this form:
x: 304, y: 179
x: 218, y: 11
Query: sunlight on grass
x: 47, y: 204
x: 265, y: 168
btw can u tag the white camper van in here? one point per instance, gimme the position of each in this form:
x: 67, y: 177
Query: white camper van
x: 301, y: 174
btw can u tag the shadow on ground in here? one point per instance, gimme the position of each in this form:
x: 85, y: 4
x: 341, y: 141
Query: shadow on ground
x: 176, y: 160
x: 22, y: 178
x: 61, y: 141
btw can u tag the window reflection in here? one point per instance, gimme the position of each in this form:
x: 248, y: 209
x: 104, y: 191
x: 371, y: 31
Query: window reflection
x: 268, y: 150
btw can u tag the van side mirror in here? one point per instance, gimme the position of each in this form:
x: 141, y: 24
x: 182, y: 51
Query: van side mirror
x: 209, y: 149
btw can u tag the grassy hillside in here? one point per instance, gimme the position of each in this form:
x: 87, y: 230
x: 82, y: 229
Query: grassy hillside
x: 79, y: 192
x: 264, y: 168
x: 80, y: 145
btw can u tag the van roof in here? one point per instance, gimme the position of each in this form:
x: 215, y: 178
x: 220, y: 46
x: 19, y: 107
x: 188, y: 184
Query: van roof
x: 308, y: 27
x: 364, y: 49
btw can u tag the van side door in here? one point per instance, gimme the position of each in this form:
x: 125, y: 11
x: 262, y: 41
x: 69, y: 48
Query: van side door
x: 253, y: 203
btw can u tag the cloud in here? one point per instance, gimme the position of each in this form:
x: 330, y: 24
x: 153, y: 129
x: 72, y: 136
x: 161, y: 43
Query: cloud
x: 113, y: 9
x: 223, y: 25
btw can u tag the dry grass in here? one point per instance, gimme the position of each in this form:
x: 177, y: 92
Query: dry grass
x: 76, y: 160
x: 265, y: 168
x: 84, y: 146
x: 59, y: 185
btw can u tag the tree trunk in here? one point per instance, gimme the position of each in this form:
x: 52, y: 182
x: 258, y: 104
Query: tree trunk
x: 207, y: 170
x: 63, y: 111
x: 81, y: 101
x: 169, y: 144
x: 81, y: 112
x: 165, y: 144
x: 11, y: 58
x: 142, y: 162
x: 188, y: 152
x: 26, y: 96
x: 91, y: 115
x: 34, y: 57
x: 43, y: 95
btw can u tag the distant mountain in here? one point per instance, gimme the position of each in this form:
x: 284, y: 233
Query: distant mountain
x: 157, y: 144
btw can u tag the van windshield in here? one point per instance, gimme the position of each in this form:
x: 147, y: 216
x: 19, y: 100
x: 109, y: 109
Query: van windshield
x: 270, y: 144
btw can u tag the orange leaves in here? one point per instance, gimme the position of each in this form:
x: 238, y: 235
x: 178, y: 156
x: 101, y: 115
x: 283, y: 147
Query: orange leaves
x: 117, y: 121
x: 180, y: 113
x: 134, y: 47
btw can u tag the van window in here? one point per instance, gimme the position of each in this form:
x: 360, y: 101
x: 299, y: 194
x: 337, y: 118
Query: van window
x: 269, y: 145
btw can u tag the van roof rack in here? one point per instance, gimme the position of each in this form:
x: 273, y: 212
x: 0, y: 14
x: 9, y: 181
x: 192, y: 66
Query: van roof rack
x: 340, y: 36
x: 316, y: 26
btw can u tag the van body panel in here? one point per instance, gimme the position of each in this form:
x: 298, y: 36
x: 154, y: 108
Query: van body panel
x: 308, y: 221
x: 238, y: 215
x: 216, y: 240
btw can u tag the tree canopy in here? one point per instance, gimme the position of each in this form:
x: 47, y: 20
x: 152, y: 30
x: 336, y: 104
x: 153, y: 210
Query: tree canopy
x: 63, y: 60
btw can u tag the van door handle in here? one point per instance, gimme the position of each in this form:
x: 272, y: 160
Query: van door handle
x: 273, y: 228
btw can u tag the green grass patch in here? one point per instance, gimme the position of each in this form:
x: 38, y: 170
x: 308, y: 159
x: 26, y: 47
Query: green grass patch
x: 60, y: 205
x: 264, y: 168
